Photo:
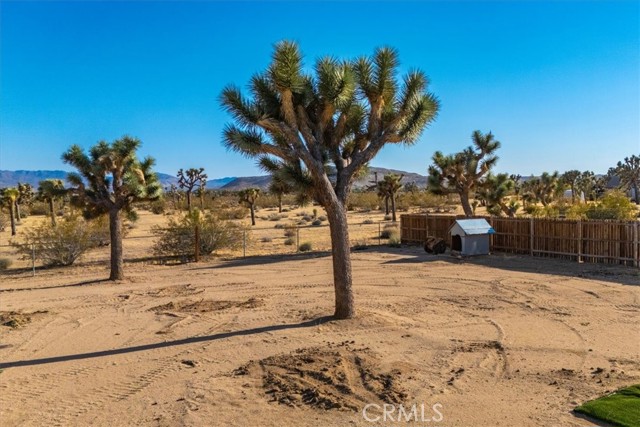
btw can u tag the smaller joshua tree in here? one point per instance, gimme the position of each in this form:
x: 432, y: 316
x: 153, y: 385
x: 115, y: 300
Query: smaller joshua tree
x: 190, y: 179
x: 49, y: 190
x: 387, y: 189
x: 249, y: 197
x: 109, y: 180
x: 9, y: 197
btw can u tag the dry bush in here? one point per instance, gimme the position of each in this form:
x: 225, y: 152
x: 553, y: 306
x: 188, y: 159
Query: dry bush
x: 305, y: 247
x: 366, y: 201
x: 57, y: 245
x: 5, y: 263
x: 178, y: 237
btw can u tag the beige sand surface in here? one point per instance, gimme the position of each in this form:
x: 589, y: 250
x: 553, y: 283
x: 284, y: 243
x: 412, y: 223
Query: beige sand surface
x: 497, y: 341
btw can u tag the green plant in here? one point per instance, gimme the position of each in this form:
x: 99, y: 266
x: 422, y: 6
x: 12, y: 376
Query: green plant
x: 395, y: 242
x: 387, y: 217
x: 5, y: 263
x: 289, y: 242
x: 57, y: 245
x: 290, y: 230
x: 620, y: 408
x: 389, y: 232
x: 305, y: 247
x: 178, y: 237
x: 317, y: 222
x: 158, y: 207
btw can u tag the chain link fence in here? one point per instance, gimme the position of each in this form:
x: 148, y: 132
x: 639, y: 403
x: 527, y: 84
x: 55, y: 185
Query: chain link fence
x: 281, y: 239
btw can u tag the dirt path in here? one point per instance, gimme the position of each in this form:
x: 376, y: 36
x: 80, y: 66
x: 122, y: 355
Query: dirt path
x: 496, y: 341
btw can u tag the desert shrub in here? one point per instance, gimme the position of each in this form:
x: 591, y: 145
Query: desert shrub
x: 266, y: 240
x: 178, y: 237
x: 289, y: 242
x: 316, y: 222
x: 388, y: 217
x: 280, y: 226
x: 389, y: 231
x: 395, y: 242
x: 322, y: 218
x: 289, y: 230
x: 366, y: 201
x: 158, y: 207
x: 5, y: 263
x: 307, y: 218
x: 305, y: 247
x: 4, y: 221
x: 239, y: 212
x: 315, y: 213
x: 60, y: 245
x: 360, y: 245
x: 368, y: 221
x: 614, y: 205
x: 39, y: 208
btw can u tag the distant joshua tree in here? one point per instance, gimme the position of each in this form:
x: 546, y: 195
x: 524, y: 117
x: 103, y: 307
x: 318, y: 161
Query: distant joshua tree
x: 109, y: 180
x: 25, y: 197
x: 387, y: 189
x: 249, y: 197
x: 189, y: 179
x: 9, y: 197
x: 494, y: 191
x: 570, y: 179
x: 48, y: 191
x: 544, y: 189
x: 462, y: 172
x: 629, y: 173
x: 279, y: 187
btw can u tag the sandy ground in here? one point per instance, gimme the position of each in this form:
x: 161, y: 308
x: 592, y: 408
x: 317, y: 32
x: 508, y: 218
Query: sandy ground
x: 496, y: 341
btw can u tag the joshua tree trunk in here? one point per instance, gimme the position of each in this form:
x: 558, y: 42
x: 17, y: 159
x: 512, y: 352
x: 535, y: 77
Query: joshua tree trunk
x: 18, y: 216
x: 115, y: 230
x: 53, y: 211
x: 189, y: 201
x: 636, y: 195
x: 393, y: 207
x: 279, y: 203
x: 466, y: 206
x: 386, y: 205
x: 13, y: 219
x: 253, y: 215
x: 340, y: 246
x: 506, y: 210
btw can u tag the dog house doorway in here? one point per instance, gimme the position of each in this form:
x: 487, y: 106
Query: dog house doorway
x: 456, y: 243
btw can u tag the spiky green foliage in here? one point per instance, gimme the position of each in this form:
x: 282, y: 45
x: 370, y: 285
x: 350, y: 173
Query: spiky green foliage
x: 49, y: 190
x: 387, y: 190
x: 544, y: 189
x: 249, y: 197
x: 570, y: 179
x: 342, y: 114
x: 462, y: 172
x: 9, y: 197
x: 494, y: 190
x: 628, y: 171
x: 190, y: 179
x: 110, y: 177
x: 322, y: 128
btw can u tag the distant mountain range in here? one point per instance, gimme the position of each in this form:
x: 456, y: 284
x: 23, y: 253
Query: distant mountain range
x: 11, y: 178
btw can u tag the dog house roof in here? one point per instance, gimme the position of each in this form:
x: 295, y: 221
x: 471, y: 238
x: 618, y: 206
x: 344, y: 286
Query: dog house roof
x: 472, y: 227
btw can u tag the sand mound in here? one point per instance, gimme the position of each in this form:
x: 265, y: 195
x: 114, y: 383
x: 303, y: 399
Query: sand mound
x: 343, y: 378
x: 205, y: 305
x: 15, y: 319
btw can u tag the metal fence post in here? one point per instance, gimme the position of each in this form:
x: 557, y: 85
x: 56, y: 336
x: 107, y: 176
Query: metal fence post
x: 33, y: 259
x: 244, y: 243
x: 297, y: 239
x: 379, y: 236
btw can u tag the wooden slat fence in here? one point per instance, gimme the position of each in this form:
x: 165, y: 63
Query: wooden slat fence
x: 611, y: 242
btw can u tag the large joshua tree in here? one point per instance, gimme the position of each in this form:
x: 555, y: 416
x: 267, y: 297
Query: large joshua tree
x: 462, y: 172
x: 570, y: 178
x: 329, y: 124
x: 191, y: 178
x: 49, y: 190
x: 25, y: 196
x: 110, y: 179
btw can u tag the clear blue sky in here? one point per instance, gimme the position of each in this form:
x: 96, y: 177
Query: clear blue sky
x: 558, y: 83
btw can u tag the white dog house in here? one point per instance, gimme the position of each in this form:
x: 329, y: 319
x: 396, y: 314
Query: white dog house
x: 471, y: 236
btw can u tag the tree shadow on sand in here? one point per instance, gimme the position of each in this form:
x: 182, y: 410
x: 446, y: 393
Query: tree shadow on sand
x: 164, y: 344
